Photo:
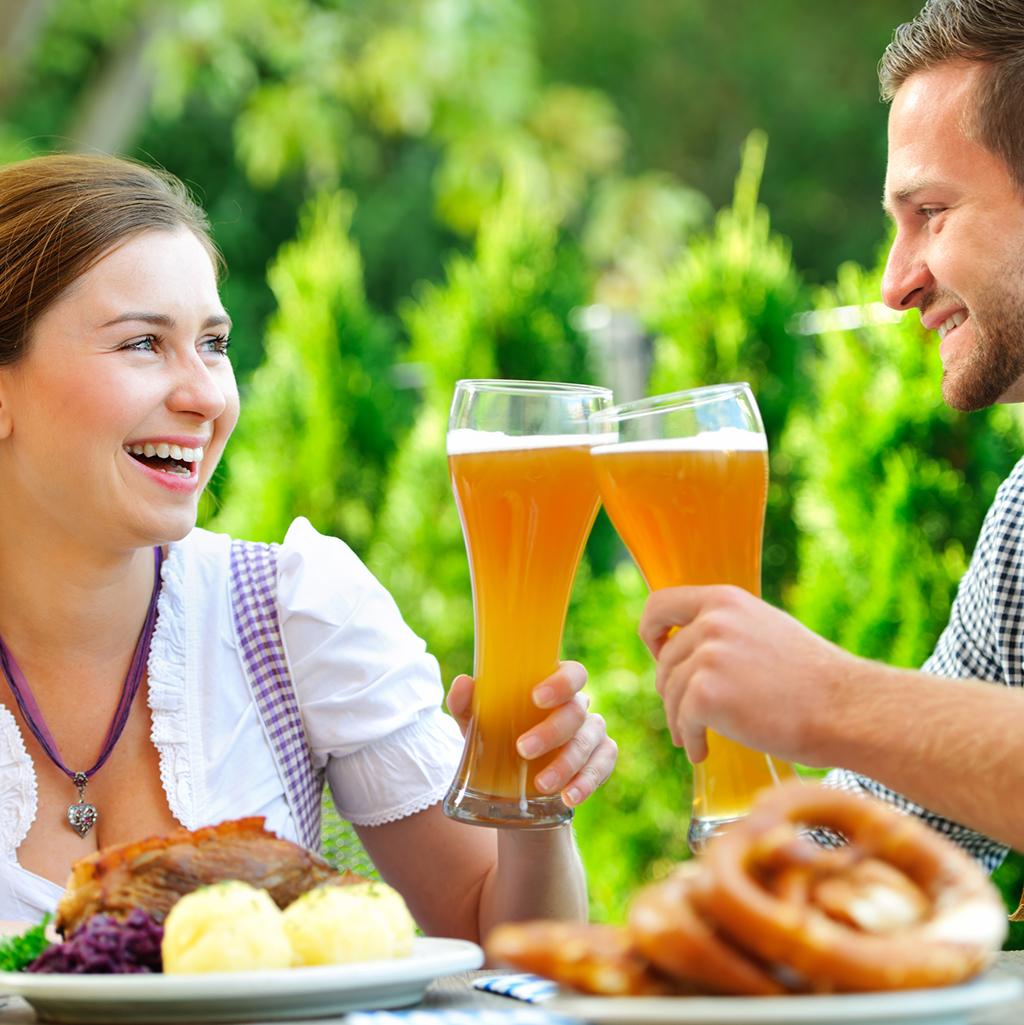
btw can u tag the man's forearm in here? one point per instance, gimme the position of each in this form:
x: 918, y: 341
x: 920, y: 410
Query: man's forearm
x: 954, y: 746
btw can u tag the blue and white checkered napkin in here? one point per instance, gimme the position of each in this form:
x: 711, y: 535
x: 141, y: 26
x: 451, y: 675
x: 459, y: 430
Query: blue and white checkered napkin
x: 460, y: 1016
x: 532, y: 989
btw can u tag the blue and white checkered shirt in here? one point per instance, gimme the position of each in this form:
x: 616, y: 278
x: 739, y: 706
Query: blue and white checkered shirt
x: 984, y: 640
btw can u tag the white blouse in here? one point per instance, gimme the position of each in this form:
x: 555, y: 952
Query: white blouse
x: 369, y: 694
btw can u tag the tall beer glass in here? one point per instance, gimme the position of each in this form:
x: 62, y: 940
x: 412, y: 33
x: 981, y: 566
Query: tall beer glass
x: 519, y: 457
x: 685, y: 484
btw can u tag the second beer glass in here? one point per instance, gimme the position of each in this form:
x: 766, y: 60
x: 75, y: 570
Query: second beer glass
x: 519, y: 456
x: 685, y: 485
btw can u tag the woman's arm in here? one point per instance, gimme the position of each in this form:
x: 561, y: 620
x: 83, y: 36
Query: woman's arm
x: 461, y: 880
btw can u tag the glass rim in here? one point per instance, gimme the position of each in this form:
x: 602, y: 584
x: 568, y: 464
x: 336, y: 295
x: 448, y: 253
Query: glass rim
x: 514, y: 387
x: 689, y: 398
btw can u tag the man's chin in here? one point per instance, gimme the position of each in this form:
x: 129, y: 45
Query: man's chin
x: 1015, y: 393
x: 968, y: 392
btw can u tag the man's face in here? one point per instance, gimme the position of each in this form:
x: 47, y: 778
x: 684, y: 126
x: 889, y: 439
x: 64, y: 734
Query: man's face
x: 958, y: 255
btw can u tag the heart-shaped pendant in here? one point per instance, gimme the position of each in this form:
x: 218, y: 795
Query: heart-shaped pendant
x: 82, y: 817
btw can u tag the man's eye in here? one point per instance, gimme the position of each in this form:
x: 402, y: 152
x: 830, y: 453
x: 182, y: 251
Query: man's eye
x: 147, y: 344
x: 220, y: 344
x: 930, y: 212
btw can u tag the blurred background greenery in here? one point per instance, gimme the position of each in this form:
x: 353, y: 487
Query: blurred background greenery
x: 412, y: 191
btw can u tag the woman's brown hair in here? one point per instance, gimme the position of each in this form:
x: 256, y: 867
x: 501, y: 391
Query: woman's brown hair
x: 60, y: 214
x: 986, y: 32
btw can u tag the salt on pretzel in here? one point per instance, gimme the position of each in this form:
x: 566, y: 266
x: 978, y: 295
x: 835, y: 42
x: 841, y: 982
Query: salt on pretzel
x: 598, y: 959
x: 676, y: 939
x: 778, y: 896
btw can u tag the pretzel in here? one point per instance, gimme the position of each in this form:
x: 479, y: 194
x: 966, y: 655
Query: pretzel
x: 597, y: 959
x: 900, y: 908
x: 675, y: 938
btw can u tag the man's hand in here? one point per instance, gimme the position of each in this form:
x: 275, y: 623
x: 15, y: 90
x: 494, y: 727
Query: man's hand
x: 728, y: 661
x: 584, y: 753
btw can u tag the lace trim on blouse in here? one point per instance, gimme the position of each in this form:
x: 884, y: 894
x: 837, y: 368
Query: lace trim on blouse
x: 18, y: 798
x: 421, y: 753
x: 167, y: 683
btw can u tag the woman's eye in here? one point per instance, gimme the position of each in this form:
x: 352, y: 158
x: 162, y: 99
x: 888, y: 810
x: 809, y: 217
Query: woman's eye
x: 220, y: 344
x: 147, y: 344
x: 931, y: 212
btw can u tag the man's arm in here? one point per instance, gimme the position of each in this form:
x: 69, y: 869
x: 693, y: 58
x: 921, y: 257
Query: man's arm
x: 753, y: 673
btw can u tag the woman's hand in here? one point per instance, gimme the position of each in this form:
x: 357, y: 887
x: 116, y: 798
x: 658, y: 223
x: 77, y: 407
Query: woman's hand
x: 584, y: 753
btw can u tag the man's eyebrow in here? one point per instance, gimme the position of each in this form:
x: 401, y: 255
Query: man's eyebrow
x: 162, y: 320
x: 906, y: 193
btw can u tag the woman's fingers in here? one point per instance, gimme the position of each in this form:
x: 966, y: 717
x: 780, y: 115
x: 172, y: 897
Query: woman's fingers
x: 582, y: 765
x: 558, y: 728
x: 561, y: 686
x: 584, y: 754
x: 460, y: 700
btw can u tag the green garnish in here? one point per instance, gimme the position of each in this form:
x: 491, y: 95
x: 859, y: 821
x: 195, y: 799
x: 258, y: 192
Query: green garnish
x: 18, y: 951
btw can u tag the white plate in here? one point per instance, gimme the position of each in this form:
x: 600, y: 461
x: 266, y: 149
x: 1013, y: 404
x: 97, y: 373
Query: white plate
x: 285, y: 995
x: 949, y: 1006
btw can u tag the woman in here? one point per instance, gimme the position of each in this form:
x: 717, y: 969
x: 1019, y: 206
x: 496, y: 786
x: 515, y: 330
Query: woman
x: 116, y: 401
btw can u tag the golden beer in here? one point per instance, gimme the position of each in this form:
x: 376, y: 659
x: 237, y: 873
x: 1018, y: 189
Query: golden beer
x: 691, y: 511
x: 526, y: 513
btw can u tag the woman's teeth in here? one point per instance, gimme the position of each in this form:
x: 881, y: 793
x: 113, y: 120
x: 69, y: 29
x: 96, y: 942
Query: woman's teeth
x: 164, y: 451
x: 167, y: 458
x: 955, y: 321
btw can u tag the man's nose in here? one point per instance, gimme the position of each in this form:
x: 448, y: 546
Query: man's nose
x: 907, y: 278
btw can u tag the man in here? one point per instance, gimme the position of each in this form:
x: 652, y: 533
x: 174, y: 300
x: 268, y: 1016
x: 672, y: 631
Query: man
x: 952, y: 751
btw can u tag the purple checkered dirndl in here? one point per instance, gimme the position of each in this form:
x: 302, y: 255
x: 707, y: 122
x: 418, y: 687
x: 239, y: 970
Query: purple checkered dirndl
x: 258, y: 630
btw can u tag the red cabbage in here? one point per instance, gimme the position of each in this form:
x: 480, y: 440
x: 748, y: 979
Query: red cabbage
x: 105, y: 946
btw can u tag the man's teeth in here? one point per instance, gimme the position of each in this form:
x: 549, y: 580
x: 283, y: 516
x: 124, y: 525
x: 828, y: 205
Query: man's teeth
x: 164, y: 451
x: 955, y: 321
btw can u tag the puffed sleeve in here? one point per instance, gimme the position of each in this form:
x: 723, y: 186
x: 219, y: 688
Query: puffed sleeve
x: 369, y: 693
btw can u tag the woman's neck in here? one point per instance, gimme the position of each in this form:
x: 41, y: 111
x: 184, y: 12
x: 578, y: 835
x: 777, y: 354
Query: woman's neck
x: 67, y: 599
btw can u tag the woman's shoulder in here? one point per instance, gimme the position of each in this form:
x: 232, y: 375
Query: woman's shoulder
x: 314, y: 571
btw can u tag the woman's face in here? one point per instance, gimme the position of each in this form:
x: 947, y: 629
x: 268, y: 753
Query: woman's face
x: 114, y: 420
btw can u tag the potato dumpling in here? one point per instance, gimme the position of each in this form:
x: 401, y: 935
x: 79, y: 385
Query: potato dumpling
x: 337, y: 924
x: 226, y: 927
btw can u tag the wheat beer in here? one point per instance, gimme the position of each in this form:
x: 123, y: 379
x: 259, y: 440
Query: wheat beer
x: 691, y: 511
x: 526, y: 506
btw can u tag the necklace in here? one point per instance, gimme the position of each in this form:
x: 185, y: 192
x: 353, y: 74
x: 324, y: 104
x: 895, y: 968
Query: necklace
x: 82, y: 816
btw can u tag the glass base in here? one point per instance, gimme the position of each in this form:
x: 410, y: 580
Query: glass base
x: 702, y: 831
x: 481, y: 809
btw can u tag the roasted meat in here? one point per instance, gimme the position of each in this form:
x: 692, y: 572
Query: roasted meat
x: 153, y: 873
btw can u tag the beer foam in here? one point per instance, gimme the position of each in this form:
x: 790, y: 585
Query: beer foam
x: 465, y: 441
x: 725, y: 439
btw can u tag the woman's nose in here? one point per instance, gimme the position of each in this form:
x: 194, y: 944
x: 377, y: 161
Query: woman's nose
x: 907, y: 279
x: 198, y: 389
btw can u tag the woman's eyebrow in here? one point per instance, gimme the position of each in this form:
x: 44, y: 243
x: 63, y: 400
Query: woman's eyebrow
x: 162, y: 320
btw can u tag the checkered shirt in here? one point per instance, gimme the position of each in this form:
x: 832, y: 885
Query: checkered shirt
x: 984, y: 640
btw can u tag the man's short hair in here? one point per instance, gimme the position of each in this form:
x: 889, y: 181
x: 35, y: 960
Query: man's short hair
x: 985, y: 32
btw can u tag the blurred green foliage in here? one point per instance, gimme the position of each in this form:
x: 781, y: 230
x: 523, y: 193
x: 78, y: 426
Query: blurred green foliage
x: 413, y: 191
x: 723, y: 313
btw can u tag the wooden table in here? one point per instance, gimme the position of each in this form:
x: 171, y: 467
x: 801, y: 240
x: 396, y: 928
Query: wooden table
x: 456, y: 992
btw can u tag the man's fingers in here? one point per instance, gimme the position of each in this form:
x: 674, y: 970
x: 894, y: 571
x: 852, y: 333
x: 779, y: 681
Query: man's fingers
x: 674, y: 653
x: 666, y: 609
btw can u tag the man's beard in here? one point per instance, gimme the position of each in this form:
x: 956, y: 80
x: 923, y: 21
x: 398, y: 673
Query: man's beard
x: 996, y: 360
